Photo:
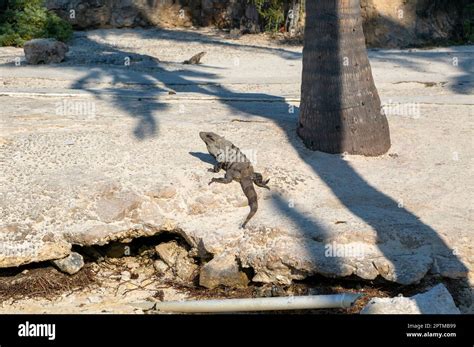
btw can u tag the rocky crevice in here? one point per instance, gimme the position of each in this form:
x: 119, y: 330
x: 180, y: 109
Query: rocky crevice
x: 117, y: 215
x: 182, y: 265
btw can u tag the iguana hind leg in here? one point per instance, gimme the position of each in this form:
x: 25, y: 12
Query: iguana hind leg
x: 257, y: 178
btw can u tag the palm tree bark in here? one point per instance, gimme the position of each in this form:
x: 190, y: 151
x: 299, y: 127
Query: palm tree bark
x: 340, y: 107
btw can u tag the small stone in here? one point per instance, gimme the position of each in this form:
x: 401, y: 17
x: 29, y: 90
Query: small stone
x: 168, y: 252
x: 71, y: 264
x: 222, y: 270
x: 437, y: 300
x: 125, y: 276
x: 185, y: 268
x: 160, y: 266
x: 132, y: 264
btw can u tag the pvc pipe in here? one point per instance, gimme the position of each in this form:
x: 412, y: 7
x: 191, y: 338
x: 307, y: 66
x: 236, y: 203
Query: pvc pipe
x: 261, y: 304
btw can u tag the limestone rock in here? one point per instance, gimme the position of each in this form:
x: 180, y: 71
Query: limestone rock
x: 446, y: 267
x: 404, y: 269
x: 46, y: 51
x: 19, y: 246
x: 222, y: 270
x: 122, y: 13
x: 71, y: 264
x: 116, y: 207
x: 177, y: 258
x: 437, y: 300
x: 168, y: 252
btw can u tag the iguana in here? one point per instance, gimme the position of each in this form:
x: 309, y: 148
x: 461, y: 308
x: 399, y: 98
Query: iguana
x: 237, y: 168
x: 195, y: 59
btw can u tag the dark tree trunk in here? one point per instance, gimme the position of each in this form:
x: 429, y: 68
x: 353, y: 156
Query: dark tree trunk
x: 340, y: 107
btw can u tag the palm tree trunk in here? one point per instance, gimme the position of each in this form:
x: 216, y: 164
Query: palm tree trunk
x: 340, y: 107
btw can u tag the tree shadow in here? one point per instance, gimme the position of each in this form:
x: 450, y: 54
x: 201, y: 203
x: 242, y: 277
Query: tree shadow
x: 142, y: 75
x: 415, y: 59
x: 145, y: 75
x: 146, y: 124
x: 391, y: 221
x: 316, y: 241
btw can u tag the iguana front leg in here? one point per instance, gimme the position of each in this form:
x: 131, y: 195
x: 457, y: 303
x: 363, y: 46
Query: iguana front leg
x: 217, y: 167
x: 226, y: 179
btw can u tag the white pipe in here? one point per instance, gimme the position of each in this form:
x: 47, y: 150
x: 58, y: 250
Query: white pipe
x: 261, y: 304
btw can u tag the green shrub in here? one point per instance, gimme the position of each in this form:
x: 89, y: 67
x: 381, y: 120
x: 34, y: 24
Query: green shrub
x: 468, y: 23
x: 58, y: 28
x: 8, y: 36
x: 24, y: 20
x: 272, y: 13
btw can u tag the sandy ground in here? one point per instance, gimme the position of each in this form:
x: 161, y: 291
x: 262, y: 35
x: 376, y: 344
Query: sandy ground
x: 75, y: 135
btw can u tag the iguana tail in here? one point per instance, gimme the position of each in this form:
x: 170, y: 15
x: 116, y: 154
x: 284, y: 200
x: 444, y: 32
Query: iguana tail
x: 249, y: 191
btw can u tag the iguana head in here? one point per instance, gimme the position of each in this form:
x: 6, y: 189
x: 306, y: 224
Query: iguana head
x: 212, y: 141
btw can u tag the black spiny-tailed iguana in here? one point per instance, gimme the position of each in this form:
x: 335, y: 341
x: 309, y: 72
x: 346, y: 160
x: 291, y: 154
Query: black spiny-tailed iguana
x: 195, y: 59
x: 237, y: 168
